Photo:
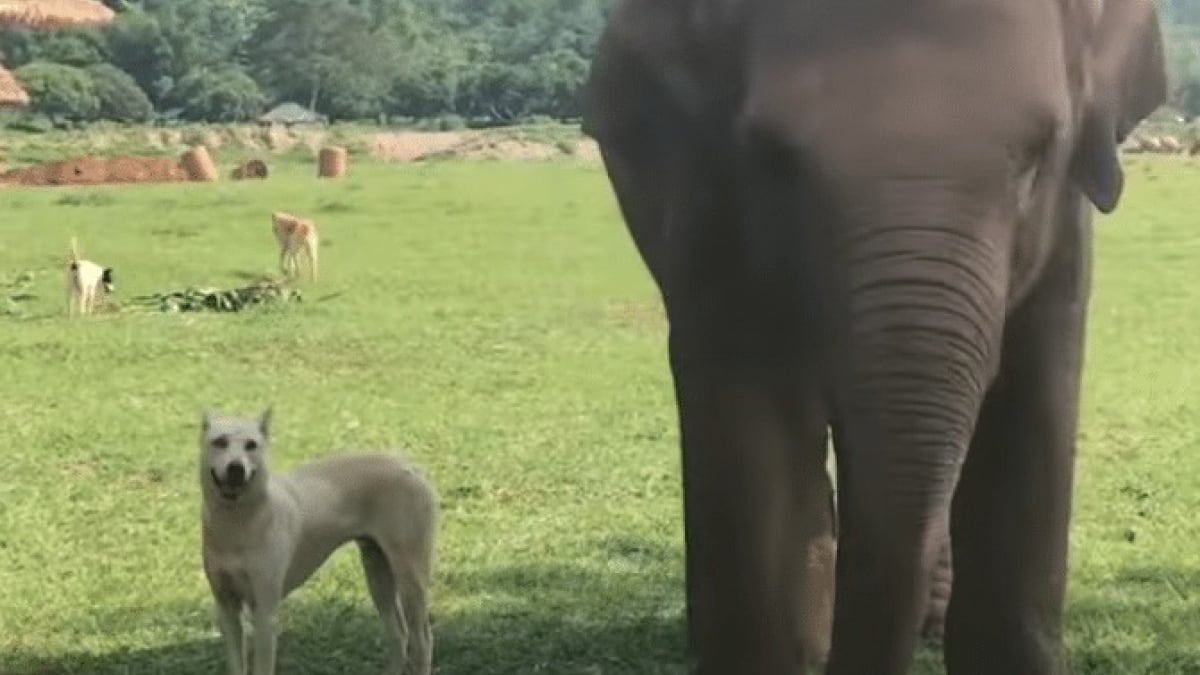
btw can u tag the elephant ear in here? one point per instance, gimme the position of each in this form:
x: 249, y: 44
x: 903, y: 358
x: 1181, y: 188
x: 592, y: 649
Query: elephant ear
x: 645, y: 71
x: 1128, y: 81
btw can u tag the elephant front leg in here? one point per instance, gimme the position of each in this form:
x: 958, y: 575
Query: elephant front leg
x: 1012, y: 509
x: 757, y: 522
x: 939, y: 595
x: 819, y: 545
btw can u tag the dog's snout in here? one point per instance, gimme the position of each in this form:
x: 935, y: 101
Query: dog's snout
x: 235, y: 473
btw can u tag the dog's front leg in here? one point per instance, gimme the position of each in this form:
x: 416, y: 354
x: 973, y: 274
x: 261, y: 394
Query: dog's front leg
x: 264, y: 619
x: 229, y: 622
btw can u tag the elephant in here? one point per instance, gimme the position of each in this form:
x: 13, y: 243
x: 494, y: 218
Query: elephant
x: 872, y: 220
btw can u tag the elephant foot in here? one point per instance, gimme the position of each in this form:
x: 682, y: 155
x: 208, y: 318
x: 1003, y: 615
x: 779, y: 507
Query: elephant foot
x: 816, y: 610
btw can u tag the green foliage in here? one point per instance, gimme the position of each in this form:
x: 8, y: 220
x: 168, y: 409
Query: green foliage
x: 60, y: 92
x: 325, y: 53
x: 490, y: 61
x: 77, y: 48
x: 136, y: 44
x: 194, y: 299
x: 120, y: 97
x: 348, y: 59
x: 224, y: 95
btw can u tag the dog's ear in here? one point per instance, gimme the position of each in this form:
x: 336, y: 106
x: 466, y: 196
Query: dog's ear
x: 264, y: 422
x: 206, y: 421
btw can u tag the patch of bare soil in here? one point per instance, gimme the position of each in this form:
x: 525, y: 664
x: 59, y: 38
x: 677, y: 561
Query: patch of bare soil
x: 415, y: 146
x: 406, y: 146
x: 483, y: 147
x: 99, y: 171
x: 587, y: 150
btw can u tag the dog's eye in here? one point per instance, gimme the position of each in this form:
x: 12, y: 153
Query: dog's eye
x: 220, y: 442
x: 251, y: 446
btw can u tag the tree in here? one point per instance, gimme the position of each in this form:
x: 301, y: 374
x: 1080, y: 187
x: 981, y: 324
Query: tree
x: 135, y: 43
x: 120, y: 97
x: 309, y: 50
x: 204, y: 34
x: 222, y: 95
x: 60, y: 92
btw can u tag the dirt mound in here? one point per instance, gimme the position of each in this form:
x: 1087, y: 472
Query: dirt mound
x: 415, y: 146
x: 483, y: 147
x: 409, y: 145
x: 587, y: 150
x: 99, y: 171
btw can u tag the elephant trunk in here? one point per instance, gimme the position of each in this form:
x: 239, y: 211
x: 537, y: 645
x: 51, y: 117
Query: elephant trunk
x: 924, y: 291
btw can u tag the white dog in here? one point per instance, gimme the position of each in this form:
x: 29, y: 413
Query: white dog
x: 86, y: 281
x: 295, y: 236
x: 264, y: 535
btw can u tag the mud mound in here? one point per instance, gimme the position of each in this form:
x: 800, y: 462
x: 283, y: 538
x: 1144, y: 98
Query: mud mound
x: 99, y: 171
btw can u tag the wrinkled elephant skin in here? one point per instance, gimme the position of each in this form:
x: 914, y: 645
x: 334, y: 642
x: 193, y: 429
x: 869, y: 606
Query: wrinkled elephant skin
x: 873, y: 217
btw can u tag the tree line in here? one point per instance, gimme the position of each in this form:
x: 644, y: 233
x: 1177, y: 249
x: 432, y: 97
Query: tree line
x: 484, y: 60
x: 227, y: 60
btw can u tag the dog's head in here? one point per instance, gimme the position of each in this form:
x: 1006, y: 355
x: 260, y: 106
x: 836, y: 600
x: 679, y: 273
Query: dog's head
x: 106, y: 278
x: 234, y: 454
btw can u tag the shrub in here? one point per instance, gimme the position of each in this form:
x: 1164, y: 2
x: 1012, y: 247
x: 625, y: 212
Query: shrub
x: 120, y: 96
x: 58, y: 91
x: 225, y: 95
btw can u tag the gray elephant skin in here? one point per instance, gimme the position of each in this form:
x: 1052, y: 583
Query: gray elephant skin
x: 873, y: 217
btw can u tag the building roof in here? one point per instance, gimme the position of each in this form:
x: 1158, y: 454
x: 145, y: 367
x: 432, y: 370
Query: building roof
x: 52, y: 14
x: 44, y: 15
x: 291, y: 113
x: 11, y: 93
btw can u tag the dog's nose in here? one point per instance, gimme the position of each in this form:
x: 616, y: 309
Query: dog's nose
x: 235, y: 474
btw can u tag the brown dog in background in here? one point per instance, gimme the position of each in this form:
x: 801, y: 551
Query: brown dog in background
x: 295, y: 236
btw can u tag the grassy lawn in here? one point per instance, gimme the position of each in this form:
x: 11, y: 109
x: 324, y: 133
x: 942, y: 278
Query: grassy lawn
x: 493, y: 321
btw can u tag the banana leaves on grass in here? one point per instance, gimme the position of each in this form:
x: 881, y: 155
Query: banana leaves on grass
x: 219, y: 300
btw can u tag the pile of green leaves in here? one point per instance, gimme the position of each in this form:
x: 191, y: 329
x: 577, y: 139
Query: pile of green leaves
x: 14, y: 290
x: 194, y: 299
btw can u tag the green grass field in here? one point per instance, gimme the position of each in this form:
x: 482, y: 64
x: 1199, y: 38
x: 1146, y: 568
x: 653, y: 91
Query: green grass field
x: 493, y: 321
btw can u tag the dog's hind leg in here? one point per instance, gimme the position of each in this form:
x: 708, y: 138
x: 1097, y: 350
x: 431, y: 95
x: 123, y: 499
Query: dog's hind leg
x: 312, y: 258
x: 384, y: 594
x: 411, y: 570
x: 283, y: 260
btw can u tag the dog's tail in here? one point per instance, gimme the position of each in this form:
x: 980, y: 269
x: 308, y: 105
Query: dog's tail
x: 73, y: 253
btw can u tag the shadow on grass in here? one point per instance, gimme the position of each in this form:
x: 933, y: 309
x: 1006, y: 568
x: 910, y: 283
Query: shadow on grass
x: 513, y: 620
x: 623, y: 619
